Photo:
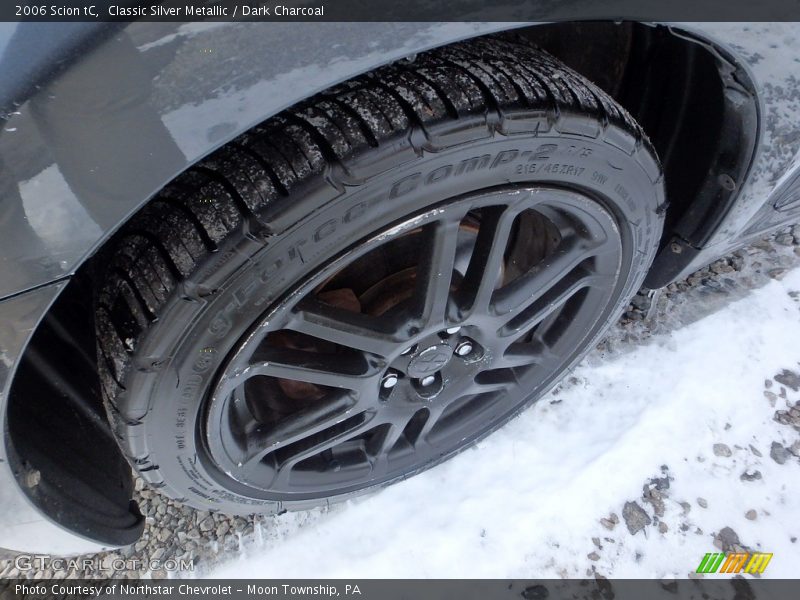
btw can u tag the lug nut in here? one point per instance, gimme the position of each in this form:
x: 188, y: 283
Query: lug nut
x: 464, y: 348
x: 389, y: 381
x: 426, y: 381
x: 452, y: 330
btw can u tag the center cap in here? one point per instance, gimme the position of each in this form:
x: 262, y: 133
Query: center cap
x: 429, y: 360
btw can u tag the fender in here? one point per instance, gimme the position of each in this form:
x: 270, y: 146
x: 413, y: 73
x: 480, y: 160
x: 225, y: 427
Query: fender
x: 102, y: 116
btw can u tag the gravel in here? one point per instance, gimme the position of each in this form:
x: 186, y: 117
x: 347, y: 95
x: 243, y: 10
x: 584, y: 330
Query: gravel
x: 610, y: 522
x: 750, y: 475
x: 655, y: 499
x: 636, y: 519
x: 789, y: 378
x: 795, y: 449
x: 174, y: 531
x: 727, y: 540
x: 778, y: 453
x: 722, y: 450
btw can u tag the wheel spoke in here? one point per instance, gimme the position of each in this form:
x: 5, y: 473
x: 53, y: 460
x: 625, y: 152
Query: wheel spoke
x: 302, y: 424
x: 565, y: 225
x: 434, y: 412
x: 535, y: 352
x: 380, y: 460
x: 437, y: 259
x: 350, y: 372
x: 355, y: 330
x: 533, y: 285
x: 320, y: 443
x: 390, y: 438
x: 538, y: 307
x: 487, y: 257
x: 459, y: 389
x: 487, y: 387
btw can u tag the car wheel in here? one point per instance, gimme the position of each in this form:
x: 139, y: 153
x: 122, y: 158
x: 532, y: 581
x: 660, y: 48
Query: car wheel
x: 373, y: 280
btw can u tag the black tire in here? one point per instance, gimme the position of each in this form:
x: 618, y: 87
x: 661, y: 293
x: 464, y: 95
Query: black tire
x: 185, y: 280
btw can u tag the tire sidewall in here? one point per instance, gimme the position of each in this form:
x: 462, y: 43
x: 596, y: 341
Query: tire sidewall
x: 195, y: 333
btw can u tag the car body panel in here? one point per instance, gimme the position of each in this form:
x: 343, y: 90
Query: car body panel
x: 98, y: 118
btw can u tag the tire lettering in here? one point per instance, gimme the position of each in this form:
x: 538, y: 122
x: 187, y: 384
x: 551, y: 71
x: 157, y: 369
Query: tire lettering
x: 506, y: 156
x: 355, y: 212
x: 412, y: 182
x: 326, y: 229
x: 473, y: 164
x: 439, y: 174
x: 543, y: 152
x: 405, y: 185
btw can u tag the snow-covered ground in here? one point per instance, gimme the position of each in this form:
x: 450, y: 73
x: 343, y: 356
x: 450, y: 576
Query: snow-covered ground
x: 675, y: 439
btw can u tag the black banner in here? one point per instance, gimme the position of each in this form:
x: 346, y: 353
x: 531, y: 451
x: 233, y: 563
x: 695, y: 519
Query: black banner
x: 393, y: 10
x: 714, y: 588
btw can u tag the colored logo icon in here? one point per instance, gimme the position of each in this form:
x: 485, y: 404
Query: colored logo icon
x: 734, y: 562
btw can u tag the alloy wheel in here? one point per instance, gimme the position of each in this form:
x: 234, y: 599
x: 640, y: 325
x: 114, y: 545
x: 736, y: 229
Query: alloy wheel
x: 411, y: 344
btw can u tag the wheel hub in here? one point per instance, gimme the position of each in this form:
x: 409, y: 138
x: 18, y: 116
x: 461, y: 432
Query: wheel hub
x: 429, y: 361
x: 424, y: 370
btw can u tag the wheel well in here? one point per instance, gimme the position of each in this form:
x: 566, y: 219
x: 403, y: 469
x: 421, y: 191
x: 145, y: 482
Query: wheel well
x: 61, y: 447
x: 695, y: 103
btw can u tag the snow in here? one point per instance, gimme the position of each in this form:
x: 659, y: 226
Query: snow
x: 526, y: 502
